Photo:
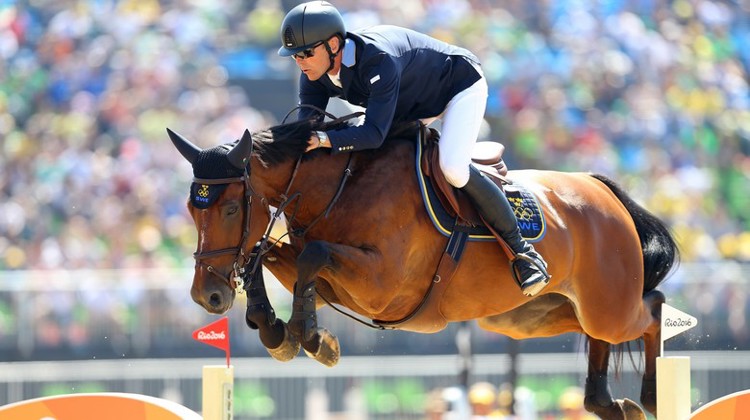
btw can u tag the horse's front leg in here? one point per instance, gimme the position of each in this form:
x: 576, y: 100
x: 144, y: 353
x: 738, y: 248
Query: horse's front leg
x: 318, y: 343
x: 273, y: 332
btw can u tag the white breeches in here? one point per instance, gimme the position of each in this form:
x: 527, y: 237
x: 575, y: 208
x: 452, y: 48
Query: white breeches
x: 461, y: 123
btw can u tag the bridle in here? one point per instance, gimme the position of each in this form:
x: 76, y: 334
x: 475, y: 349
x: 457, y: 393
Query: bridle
x: 246, y: 264
x: 237, y: 281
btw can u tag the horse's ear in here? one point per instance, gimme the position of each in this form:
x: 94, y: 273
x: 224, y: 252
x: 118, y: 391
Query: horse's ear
x: 241, y: 150
x: 187, y: 149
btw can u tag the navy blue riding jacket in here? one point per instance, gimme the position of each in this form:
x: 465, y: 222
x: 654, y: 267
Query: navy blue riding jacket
x: 395, y: 73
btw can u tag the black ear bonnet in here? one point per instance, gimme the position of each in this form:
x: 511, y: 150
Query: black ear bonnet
x: 212, y: 164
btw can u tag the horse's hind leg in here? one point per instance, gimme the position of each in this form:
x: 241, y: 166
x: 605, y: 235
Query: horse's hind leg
x: 273, y: 332
x: 598, y: 395
x: 318, y: 343
x: 651, y: 339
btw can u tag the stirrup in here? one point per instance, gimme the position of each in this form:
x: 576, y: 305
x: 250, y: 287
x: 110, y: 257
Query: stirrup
x: 537, y: 282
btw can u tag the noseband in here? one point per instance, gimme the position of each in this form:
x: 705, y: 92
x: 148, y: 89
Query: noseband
x: 238, y: 267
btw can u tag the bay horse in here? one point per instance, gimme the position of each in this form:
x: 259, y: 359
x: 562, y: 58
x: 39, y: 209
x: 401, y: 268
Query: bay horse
x: 361, y: 238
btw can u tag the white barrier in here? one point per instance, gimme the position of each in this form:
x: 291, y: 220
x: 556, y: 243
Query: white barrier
x: 218, y: 392
x: 673, y: 373
x: 673, y: 388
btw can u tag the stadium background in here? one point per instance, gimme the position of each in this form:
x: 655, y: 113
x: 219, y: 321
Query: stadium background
x: 95, y: 242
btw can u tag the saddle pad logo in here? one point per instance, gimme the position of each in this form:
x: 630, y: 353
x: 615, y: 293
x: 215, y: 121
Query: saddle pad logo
x: 525, y: 206
x: 202, y: 196
x: 527, y: 211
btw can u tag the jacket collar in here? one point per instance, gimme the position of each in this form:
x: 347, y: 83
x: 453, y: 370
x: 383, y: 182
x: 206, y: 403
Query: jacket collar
x: 349, y: 55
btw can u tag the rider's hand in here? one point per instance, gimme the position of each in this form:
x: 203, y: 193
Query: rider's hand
x: 314, y: 142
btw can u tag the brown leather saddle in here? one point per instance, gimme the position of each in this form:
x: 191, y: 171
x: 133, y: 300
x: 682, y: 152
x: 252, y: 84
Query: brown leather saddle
x: 487, y: 156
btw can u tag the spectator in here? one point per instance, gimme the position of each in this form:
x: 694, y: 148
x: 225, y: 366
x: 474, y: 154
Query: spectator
x: 483, y: 401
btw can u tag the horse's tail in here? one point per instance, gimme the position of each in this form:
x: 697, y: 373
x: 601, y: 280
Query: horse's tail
x: 660, y: 252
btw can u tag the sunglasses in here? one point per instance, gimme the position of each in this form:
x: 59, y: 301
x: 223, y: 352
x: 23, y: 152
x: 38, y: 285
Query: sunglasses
x: 310, y: 52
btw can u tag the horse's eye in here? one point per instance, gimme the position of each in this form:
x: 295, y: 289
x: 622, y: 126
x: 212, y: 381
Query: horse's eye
x: 232, y: 210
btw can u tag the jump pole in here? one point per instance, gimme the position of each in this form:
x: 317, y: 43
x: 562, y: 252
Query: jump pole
x: 673, y: 373
x: 218, y: 390
x: 218, y: 380
x: 673, y: 388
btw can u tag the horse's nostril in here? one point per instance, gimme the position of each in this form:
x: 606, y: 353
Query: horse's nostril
x: 215, y: 300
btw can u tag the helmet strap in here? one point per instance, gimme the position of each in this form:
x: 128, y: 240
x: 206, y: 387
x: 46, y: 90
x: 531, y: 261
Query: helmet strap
x: 331, y: 55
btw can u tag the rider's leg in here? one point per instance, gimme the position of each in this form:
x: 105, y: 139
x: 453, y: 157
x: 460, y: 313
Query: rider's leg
x: 462, y: 121
x: 495, y: 209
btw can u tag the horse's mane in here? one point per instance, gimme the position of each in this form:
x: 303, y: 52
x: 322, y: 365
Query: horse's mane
x: 283, y: 142
x: 288, y: 141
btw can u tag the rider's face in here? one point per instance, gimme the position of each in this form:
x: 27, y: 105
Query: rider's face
x: 315, y: 61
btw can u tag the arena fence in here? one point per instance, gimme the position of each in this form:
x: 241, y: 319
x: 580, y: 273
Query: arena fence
x: 388, y: 387
x: 148, y: 313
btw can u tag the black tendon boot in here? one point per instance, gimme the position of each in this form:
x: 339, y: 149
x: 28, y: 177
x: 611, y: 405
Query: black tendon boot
x: 495, y: 209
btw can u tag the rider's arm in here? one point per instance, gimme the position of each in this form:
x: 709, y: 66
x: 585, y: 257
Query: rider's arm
x: 382, y: 77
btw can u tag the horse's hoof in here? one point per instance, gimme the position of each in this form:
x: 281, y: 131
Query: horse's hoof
x: 619, y: 410
x: 631, y: 410
x: 328, y: 349
x: 612, y: 411
x: 288, y: 349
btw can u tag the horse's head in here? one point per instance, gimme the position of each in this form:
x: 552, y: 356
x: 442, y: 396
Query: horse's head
x: 225, y: 216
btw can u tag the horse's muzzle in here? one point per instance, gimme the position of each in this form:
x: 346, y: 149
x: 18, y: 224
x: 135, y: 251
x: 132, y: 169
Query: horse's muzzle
x: 211, y: 292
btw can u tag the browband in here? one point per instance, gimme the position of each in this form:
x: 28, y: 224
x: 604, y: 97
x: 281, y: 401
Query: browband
x: 217, y: 181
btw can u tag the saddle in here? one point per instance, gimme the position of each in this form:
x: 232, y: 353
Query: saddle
x: 486, y: 156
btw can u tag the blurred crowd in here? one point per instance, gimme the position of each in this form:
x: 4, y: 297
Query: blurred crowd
x: 88, y: 178
x: 653, y: 93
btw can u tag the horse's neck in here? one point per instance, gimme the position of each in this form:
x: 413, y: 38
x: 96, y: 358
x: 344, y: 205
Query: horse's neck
x: 314, y: 183
x: 270, y: 182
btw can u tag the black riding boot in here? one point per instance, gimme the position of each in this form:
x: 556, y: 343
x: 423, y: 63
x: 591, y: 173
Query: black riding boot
x: 490, y: 202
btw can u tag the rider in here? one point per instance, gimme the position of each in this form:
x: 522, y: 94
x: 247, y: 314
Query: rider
x: 401, y: 75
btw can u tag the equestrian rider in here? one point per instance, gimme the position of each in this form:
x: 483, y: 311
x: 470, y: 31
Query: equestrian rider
x: 401, y: 75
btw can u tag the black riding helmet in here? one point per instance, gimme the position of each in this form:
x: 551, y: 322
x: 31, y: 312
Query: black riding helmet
x: 308, y: 24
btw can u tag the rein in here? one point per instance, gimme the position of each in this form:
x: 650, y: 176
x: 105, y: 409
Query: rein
x: 246, y: 265
x: 264, y: 246
x: 300, y: 233
x: 286, y: 199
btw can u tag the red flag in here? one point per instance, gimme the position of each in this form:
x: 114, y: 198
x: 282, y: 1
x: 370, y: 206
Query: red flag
x: 215, y: 334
